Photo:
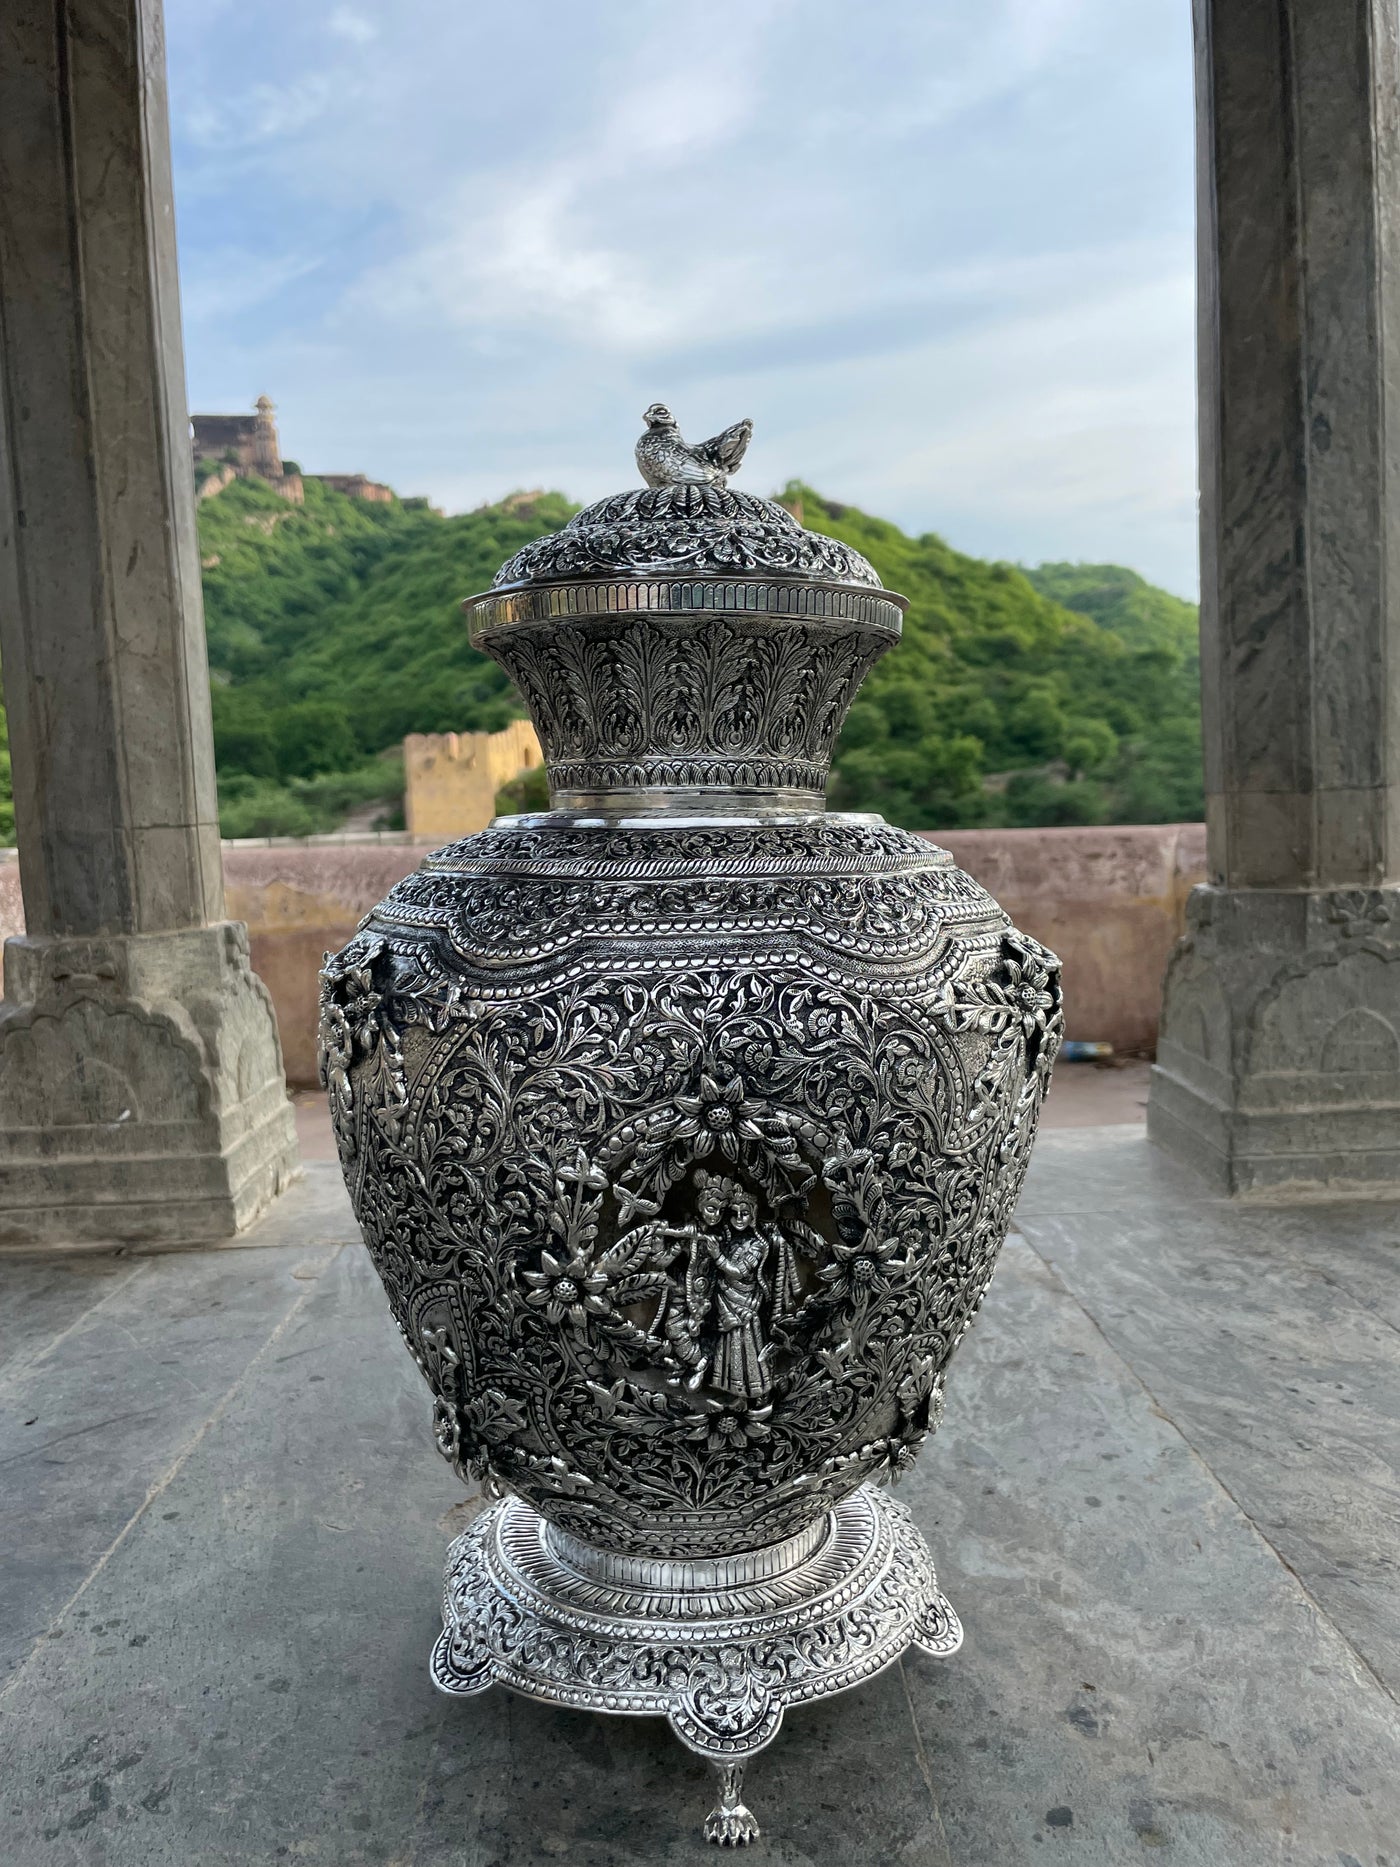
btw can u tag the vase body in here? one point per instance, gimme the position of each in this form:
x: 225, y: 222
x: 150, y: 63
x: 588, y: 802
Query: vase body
x: 684, y: 1122
x: 685, y: 1152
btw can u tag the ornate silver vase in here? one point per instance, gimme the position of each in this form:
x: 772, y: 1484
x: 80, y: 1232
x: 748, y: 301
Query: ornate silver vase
x: 684, y: 1122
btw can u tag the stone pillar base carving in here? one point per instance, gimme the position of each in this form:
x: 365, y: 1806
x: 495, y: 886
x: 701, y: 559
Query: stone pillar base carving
x: 142, y: 1096
x: 1279, y: 1061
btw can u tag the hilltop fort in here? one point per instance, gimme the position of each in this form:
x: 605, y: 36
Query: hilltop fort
x: 245, y: 447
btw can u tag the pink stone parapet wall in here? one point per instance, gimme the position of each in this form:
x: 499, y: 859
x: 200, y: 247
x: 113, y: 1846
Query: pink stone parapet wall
x: 11, y: 902
x: 1110, y: 901
x: 302, y: 901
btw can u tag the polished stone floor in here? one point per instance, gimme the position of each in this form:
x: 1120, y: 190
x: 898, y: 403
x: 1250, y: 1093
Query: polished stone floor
x: 1165, y: 1502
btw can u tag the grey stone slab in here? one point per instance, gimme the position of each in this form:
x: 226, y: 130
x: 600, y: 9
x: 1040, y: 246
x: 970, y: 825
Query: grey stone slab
x: 1105, y: 1169
x: 244, y: 1680
x: 1286, y: 1384
x: 285, y: 1600
x: 314, y: 1210
x: 96, y: 1419
x: 1355, y: 1245
x: 1141, y: 1671
x: 40, y: 1300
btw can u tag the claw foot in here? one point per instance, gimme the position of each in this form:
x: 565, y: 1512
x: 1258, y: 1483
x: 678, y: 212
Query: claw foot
x: 729, y: 1824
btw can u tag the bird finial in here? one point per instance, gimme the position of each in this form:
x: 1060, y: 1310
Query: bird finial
x: 665, y: 459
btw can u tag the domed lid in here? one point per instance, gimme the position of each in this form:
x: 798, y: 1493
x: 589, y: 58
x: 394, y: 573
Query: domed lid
x: 694, y: 529
x: 685, y: 646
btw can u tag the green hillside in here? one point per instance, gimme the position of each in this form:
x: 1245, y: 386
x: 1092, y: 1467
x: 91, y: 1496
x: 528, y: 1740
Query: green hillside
x: 334, y: 629
x: 1065, y: 694
x: 1002, y: 706
x: 1119, y: 599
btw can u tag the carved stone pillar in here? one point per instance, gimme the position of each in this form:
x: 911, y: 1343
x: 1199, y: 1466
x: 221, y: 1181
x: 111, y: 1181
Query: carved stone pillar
x: 1279, y: 1062
x: 141, y: 1089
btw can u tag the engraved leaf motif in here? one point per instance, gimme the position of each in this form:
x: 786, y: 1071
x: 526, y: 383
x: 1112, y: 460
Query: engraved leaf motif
x: 648, y: 671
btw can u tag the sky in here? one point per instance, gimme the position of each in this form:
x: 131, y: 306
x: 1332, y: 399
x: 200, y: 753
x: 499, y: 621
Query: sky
x: 940, y: 251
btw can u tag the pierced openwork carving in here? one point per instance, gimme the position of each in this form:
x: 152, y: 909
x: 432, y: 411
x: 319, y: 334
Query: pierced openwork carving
x: 685, y: 1138
x: 719, y: 1225
x: 709, y: 529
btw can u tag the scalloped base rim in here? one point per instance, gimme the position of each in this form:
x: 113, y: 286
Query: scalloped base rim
x: 721, y: 1663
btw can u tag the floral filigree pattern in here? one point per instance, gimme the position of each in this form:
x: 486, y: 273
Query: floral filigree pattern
x: 573, y: 1289
x: 718, y: 1225
x: 684, y: 528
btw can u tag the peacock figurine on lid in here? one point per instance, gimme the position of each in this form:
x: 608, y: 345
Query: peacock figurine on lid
x: 684, y: 1121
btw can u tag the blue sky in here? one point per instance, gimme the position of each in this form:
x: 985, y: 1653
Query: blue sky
x: 941, y: 252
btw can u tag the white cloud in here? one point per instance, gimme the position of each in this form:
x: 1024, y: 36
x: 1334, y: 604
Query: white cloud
x: 941, y: 254
x: 968, y: 71
x: 263, y: 113
x: 234, y: 281
x: 547, y: 243
x: 346, y: 23
x: 526, y: 259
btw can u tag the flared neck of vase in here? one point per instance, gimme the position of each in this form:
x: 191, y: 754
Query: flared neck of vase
x: 688, y: 695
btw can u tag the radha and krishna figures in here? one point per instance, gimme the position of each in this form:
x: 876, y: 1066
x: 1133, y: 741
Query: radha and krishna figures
x: 724, y: 1284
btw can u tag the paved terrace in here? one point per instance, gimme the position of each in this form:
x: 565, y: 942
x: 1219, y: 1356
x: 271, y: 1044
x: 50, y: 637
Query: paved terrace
x: 1165, y: 1502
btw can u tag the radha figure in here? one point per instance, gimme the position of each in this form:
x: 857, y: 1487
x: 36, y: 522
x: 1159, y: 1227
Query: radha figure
x: 738, y: 1257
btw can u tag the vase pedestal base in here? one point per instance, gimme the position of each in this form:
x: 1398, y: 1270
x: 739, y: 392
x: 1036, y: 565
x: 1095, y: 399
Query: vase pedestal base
x: 718, y: 1647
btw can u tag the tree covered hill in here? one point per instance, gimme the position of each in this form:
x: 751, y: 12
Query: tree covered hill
x: 1065, y: 694
x: 334, y: 629
x: 1118, y: 599
x: 1005, y: 704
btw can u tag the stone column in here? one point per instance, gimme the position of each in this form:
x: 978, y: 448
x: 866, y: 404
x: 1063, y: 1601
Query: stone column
x: 1279, y: 1063
x: 141, y: 1090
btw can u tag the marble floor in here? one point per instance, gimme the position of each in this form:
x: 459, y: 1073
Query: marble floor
x: 1166, y: 1501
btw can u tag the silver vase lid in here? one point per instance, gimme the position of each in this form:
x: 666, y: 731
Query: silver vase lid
x: 684, y: 645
